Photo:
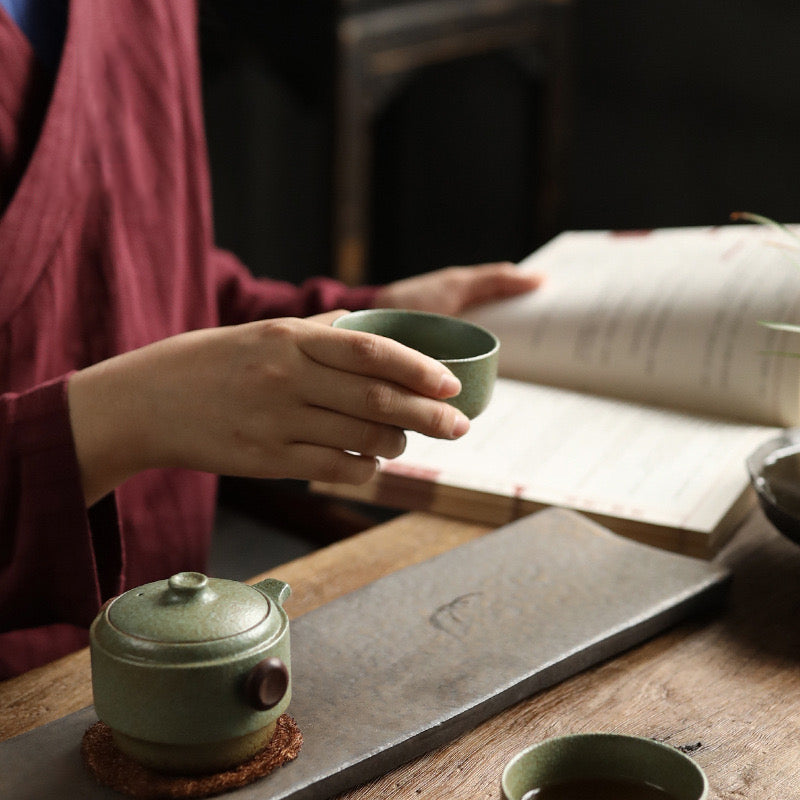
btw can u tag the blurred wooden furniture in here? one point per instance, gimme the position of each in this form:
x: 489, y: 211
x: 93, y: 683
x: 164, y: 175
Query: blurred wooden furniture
x: 379, y: 45
x: 312, y: 104
x: 725, y: 688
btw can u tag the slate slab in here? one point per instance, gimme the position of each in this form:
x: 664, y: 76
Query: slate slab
x: 413, y: 660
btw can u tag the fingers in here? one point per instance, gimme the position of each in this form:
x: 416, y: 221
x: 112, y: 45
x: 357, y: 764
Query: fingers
x: 317, y: 463
x: 385, y: 403
x: 376, y: 379
x: 496, y: 281
x: 342, y: 432
x: 454, y: 289
x: 378, y: 357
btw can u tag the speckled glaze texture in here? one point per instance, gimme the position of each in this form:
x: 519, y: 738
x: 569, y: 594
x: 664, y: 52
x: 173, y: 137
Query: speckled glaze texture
x: 171, y: 662
x: 469, y: 351
x: 604, y: 755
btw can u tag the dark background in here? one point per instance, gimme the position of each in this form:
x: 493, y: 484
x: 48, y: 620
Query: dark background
x: 683, y: 111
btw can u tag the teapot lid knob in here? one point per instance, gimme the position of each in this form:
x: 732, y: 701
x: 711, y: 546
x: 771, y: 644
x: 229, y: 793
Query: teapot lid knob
x: 188, y: 584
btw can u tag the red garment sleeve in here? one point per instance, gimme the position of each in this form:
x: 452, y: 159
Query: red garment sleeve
x: 51, y: 557
x: 243, y: 298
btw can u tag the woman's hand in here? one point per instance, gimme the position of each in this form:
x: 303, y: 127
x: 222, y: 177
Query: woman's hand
x: 455, y: 289
x: 283, y: 398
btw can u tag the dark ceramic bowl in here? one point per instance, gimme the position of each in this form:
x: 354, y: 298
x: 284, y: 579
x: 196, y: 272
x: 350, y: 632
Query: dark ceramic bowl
x: 774, y: 470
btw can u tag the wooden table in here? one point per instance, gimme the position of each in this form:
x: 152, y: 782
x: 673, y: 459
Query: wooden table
x: 725, y: 688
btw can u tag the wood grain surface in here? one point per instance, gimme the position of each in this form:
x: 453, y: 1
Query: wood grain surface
x: 725, y: 688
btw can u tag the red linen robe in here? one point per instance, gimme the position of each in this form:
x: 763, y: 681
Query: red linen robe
x: 105, y: 245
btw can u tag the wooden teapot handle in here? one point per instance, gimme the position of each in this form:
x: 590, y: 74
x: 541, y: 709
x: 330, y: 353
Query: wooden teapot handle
x: 266, y: 684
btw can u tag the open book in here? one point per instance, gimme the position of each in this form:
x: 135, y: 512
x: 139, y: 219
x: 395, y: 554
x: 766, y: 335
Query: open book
x: 634, y: 384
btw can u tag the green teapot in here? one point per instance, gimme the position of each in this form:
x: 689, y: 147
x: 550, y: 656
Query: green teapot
x: 192, y: 673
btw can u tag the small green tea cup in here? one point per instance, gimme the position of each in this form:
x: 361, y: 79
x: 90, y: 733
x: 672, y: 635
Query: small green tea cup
x: 645, y: 767
x: 467, y: 350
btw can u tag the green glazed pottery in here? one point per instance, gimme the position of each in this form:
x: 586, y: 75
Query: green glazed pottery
x: 605, y: 757
x: 192, y: 673
x: 467, y: 350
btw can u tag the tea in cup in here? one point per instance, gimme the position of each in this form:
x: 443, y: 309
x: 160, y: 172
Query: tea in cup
x: 603, y: 766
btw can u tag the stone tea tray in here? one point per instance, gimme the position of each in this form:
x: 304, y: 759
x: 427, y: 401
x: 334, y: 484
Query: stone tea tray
x: 417, y: 658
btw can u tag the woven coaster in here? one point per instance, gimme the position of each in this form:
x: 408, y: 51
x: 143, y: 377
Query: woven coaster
x: 113, y: 768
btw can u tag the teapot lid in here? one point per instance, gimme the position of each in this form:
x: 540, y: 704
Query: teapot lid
x: 189, y: 607
x: 190, y: 619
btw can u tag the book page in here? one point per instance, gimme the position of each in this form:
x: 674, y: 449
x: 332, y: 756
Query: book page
x: 669, y: 317
x: 593, y: 454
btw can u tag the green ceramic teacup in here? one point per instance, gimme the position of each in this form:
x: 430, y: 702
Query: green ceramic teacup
x: 467, y: 350
x: 647, y: 768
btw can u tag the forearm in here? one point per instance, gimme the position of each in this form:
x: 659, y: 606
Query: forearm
x: 243, y: 298
x: 106, y: 412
